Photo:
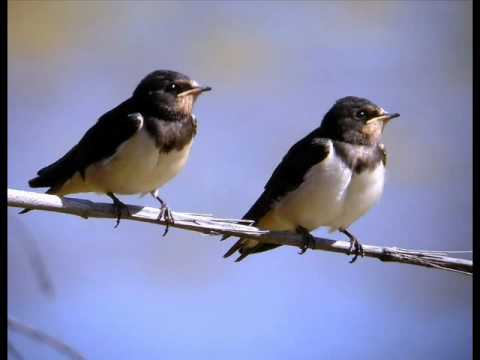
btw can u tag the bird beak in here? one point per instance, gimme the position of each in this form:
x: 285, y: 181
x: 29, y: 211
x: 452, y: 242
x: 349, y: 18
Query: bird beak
x: 196, y: 90
x: 385, y: 117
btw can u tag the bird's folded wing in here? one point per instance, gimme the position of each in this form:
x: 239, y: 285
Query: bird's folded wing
x: 289, y: 174
x: 99, y: 142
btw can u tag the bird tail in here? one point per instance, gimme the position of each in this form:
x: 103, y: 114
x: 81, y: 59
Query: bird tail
x: 55, y: 175
x: 248, y: 246
x: 259, y: 213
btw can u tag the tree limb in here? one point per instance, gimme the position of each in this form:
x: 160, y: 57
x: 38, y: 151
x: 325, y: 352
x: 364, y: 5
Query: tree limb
x: 38, y: 265
x: 12, y: 350
x: 21, y: 328
x: 210, y: 225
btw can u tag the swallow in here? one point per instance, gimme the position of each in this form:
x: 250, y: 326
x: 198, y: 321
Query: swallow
x: 135, y: 148
x: 330, y: 178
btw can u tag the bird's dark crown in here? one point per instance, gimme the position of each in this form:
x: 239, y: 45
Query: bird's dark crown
x: 351, y: 119
x: 158, y: 94
x: 160, y: 80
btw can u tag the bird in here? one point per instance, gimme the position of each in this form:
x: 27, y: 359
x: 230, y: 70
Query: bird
x: 329, y: 178
x: 135, y: 148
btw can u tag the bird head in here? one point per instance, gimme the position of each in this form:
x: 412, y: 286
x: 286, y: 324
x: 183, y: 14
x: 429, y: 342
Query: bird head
x: 356, y: 120
x: 168, y: 93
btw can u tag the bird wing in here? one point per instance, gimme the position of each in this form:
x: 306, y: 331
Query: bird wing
x: 99, y: 142
x: 289, y: 174
x: 286, y: 177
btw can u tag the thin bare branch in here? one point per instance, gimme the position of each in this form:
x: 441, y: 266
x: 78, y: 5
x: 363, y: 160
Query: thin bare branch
x: 210, y: 225
x: 13, y: 351
x: 21, y: 328
x: 38, y: 265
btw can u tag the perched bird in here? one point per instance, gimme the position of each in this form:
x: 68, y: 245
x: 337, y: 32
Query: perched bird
x: 134, y: 148
x: 329, y: 178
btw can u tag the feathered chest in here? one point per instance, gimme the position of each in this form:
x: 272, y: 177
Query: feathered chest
x: 147, y: 160
x: 338, y: 190
x: 171, y: 135
x: 359, y: 158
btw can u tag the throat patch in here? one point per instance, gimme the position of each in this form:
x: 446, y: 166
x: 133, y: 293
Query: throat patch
x: 171, y: 135
x: 360, y: 157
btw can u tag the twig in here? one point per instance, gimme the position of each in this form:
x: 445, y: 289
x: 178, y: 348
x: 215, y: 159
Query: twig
x: 17, y: 326
x: 12, y: 350
x: 207, y: 224
x: 38, y: 265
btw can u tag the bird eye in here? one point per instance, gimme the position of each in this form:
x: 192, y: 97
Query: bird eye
x: 361, y: 114
x: 172, y: 87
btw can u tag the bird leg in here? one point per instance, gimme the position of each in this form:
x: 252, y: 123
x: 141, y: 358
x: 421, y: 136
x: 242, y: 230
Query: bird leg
x: 354, y: 245
x: 119, y: 206
x: 307, y: 239
x: 165, y: 213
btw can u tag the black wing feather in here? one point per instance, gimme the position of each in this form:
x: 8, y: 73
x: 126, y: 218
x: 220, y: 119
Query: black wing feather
x: 99, y: 142
x: 286, y: 177
x: 289, y: 174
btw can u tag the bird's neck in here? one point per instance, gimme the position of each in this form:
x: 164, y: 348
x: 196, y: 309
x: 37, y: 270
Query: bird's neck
x: 359, y: 157
x: 171, y: 134
x: 168, y: 114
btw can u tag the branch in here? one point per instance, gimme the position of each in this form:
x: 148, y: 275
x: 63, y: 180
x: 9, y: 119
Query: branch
x: 38, y: 265
x: 12, y: 350
x: 17, y: 326
x: 210, y: 225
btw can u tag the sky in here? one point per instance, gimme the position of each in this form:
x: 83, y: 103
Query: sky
x: 275, y: 69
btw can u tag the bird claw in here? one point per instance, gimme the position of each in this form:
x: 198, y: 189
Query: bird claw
x: 355, y: 247
x: 165, y: 215
x: 358, y: 250
x: 303, y: 249
x: 119, y: 208
x: 307, y: 241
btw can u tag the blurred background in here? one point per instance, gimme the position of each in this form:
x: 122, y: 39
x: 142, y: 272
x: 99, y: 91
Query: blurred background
x: 275, y: 69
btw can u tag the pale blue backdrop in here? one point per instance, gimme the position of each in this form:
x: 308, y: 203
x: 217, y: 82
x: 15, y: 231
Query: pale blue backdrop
x: 276, y: 68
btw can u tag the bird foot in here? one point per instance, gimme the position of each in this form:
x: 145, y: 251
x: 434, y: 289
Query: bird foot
x: 165, y: 215
x: 355, y: 247
x: 119, y: 208
x: 308, y: 240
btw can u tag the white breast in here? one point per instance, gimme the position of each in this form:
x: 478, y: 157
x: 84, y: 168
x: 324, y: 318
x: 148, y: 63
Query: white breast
x: 331, y: 195
x: 136, y: 167
x: 364, y: 190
